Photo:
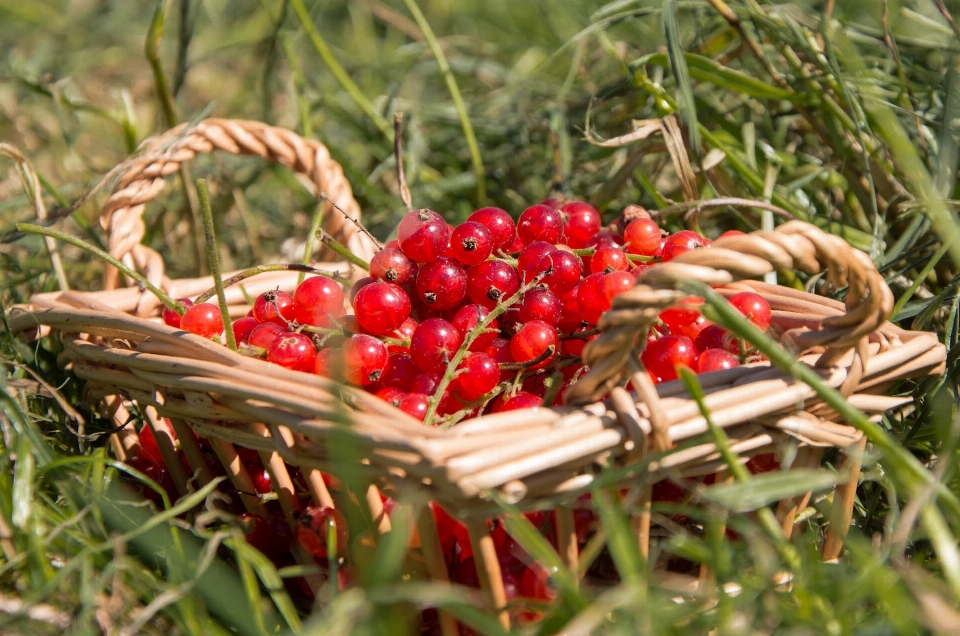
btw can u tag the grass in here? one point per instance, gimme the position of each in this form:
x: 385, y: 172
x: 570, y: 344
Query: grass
x: 842, y: 114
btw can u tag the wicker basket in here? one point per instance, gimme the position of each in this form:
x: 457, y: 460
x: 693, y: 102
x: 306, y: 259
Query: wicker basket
x: 114, y: 341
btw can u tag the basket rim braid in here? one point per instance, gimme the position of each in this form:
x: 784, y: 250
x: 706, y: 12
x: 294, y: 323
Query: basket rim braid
x: 114, y: 341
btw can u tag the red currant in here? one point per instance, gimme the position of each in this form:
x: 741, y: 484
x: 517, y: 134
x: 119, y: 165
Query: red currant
x: 591, y: 298
x: 364, y: 359
x: 530, y: 261
x: 293, y: 351
x: 242, y: 328
x: 680, y: 243
x: 715, y: 360
x: 264, y: 334
x: 490, y: 282
x: 642, y: 237
x: 423, y: 235
x: 533, y: 340
x: 582, y: 222
x: 441, y: 284
x: 614, y: 284
x: 434, y: 344
x: 540, y: 223
x: 203, y: 319
x: 172, y: 318
x: 519, y: 401
x: 471, y: 243
x: 478, y: 375
x: 754, y: 307
x: 399, y: 372
x: 609, y: 259
x: 274, y: 306
x: 468, y: 317
x: 663, y: 356
x: 415, y: 404
x: 381, y: 308
x: 540, y: 304
x: 681, y: 315
x: 499, y: 223
x: 604, y: 239
x: 318, y: 300
x: 393, y: 266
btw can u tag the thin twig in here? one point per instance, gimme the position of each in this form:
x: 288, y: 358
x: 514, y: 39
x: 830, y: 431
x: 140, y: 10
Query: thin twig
x: 315, y: 223
x: 735, y: 202
x: 892, y: 46
x: 360, y: 226
x: 342, y: 250
x: 260, y: 269
x: 213, y: 259
x: 945, y: 12
x: 398, y: 157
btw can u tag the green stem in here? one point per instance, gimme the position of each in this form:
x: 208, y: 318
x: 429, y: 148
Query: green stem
x: 152, y: 51
x: 213, y: 260
x: 315, y: 224
x: 338, y: 71
x: 921, y: 277
x: 458, y: 103
x: 168, y: 302
x: 342, y: 250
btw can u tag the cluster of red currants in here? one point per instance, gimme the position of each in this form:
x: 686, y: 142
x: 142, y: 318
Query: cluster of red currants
x: 488, y: 316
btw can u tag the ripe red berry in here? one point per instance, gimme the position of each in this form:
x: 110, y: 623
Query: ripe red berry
x: 591, y: 298
x: 381, y: 308
x: 681, y: 315
x: 415, y: 404
x: 423, y: 235
x: 393, y: 266
x: 471, y: 243
x: 441, y: 284
x: 663, y: 356
x: 680, y: 243
x: 609, y: 259
x: 264, y: 334
x: 293, y: 351
x: 563, y: 271
x: 478, y: 375
x: 468, y: 317
x: 715, y: 360
x: 499, y: 223
x: 540, y: 304
x: 172, y: 318
x: 533, y: 340
x: 490, y: 282
x: 202, y: 319
x: 318, y: 300
x: 242, y: 328
x: 519, y: 401
x: 364, y: 359
x: 754, y: 307
x: 425, y: 383
x: 312, y: 531
x: 582, y: 222
x: 642, y: 236
x: 357, y: 286
x: 434, y: 344
x: 604, y: 239
x: 403, y: 333
x: 530, y: 260
x: 540, y: 223
x: 274, y: 306
x: 325, y: 361
x: 391, y: 395
x: 614, y: 284
x: 400, y: 371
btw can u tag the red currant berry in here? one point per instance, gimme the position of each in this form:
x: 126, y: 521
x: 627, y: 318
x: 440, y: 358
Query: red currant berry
x: 519, y: 401
x: 582, y: 222
x: 681, y: 315
x: 570, y: 319
x: 604, y: 239
x: 540, y: 223
x: 423, y: 235
x: 441, y: 284
x: 312, y: 532
x: 293, y: 351
x: 591, y: 298
x: 318, y: 301
x: 680, y: 243
x: 203, y: 319
x: 478, y: 375
x: 364, y: 359
x: 434, y: 344
x: 763, y: 463
x: 754, y: 307
x: 403, y: 333
x: 358, y: 285
x: 609, y: 259
x: 563, y: 271
x: 491, y: 282
x: 264, y: 334
x: 663, y: 356
x: 381, y: 308
x: 392, y: 266
x: 471, y: 243
x: 274, y: 306
x: 715, y: 360
x: 499, y: 223
x: 468, y: 317
x: 616, y: 283
x: 242, y: 328
x: 425, y: 383
x: 399, y: 372
x: 499, y: 350
x: 391, y: 395
x: 536, y: 338
x: 325, y: 362
x: 172, y: 318
x: 540, y: 304
x: 148, y: 446
x: 415, y: 405
x: 642, y: 237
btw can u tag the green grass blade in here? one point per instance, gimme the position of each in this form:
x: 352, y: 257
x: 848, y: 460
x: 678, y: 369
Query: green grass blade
x: 678, y: 64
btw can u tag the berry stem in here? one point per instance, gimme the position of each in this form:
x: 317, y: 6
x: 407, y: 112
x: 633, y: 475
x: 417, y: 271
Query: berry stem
x: 213, y: 259
x: 93, y: 250
x: 468, y: 339
x: 398, y: 158
x: 260, y: 269
x: 360, y: 226
x: 315, y: 224
x: 342, y: 250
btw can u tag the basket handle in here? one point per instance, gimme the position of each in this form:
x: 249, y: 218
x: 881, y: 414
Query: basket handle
x: 793, y: 245
x: 144, y: 179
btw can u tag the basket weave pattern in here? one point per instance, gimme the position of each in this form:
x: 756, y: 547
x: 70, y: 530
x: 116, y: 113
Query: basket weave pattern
x: 114, y: 341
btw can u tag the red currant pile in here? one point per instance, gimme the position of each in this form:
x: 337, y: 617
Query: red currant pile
x: 485, y: 317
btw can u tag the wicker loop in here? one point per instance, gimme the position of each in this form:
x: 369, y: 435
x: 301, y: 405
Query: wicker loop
x: 794, y: 245
x: 122, y: 216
